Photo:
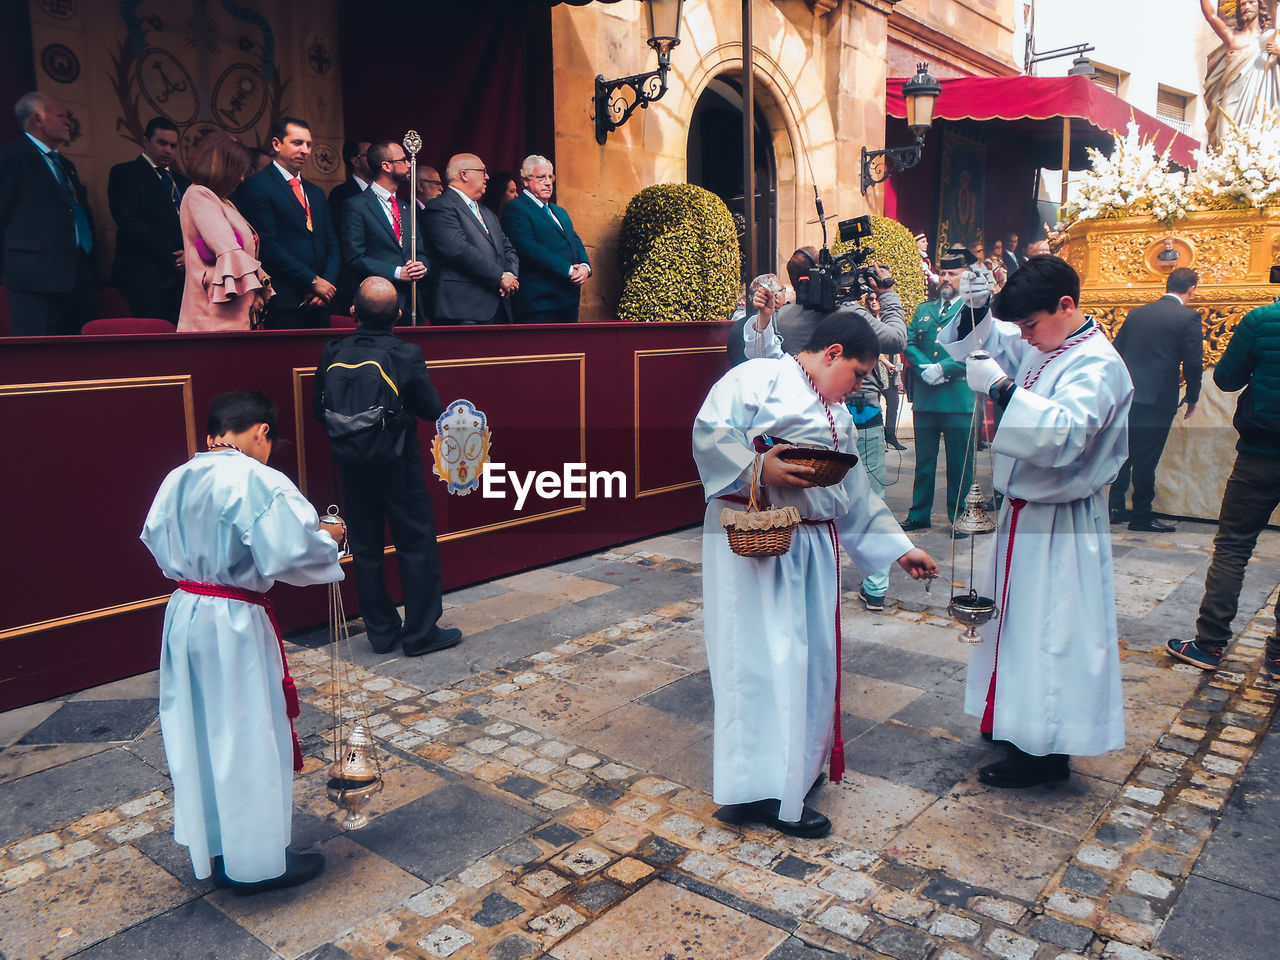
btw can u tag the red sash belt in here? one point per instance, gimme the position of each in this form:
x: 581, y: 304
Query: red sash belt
x: 291, y: 707
x: 988, y: 715
x: 836, y: 771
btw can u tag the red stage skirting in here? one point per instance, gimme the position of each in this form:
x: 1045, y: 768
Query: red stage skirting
x: 93, y: 424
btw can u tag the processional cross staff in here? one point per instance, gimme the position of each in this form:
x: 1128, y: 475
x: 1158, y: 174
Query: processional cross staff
x: 412, y: 144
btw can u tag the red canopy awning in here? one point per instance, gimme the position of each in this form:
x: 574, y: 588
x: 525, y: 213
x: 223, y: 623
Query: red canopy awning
x: 1094, y: 112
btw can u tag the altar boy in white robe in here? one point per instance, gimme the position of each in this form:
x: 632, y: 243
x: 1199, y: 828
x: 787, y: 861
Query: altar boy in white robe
x: 226, y: 527
x: 771, y: 622
x: 1046, y: 677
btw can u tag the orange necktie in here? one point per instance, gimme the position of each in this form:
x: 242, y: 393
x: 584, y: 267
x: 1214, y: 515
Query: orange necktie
x: 302, y: 198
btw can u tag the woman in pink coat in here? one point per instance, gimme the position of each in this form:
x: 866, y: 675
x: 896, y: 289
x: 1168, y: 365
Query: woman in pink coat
x: 225, y: 286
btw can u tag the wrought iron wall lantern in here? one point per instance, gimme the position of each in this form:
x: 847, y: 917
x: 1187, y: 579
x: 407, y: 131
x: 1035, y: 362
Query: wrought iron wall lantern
x: 920, y: 93
x: 616, y: 100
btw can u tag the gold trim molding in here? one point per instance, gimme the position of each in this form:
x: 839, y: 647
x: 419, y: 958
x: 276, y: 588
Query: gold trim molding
x: 671, y: 352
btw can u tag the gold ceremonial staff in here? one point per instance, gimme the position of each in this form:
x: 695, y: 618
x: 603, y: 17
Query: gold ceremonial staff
x: 412, y: 144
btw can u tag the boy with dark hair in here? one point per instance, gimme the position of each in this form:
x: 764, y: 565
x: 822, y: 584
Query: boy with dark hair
x: 394, y: 489
x: 771, y: 624
x: 1046, y: 677
x: 226, y: 526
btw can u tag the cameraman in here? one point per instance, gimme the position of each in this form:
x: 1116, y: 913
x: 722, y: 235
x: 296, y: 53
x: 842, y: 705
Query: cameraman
x: 795, y: 322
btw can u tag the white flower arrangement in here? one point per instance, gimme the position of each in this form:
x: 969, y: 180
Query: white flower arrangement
x: 1241, y: 170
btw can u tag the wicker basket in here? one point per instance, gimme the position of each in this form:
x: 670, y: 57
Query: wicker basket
x: 826, y: 472
x: 759, y: 533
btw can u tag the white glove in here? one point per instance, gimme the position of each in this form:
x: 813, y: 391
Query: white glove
x: 975, y: 289
x: 982, y: 373
x: 931, y: 373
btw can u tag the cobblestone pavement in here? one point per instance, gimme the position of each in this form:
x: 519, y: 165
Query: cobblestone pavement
x: 547, y: 794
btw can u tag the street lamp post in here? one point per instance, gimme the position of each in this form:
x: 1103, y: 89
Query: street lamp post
x: 920, y: 92
x: 615, y: 100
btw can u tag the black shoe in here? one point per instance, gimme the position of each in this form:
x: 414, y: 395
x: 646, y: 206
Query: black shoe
x: 910, y: 524
x: 298, y: 869
x: 438, y: 639
x: 1020, y: 770
x: 895, y: 444
x: 1119, y: 515
x: 765, y: 812
x: 1152, y: 525
x: 384, y: 645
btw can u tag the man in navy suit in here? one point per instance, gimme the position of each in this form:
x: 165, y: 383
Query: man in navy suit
x: 554, y: 259
x: 299, y: 249
x: 1155, y: 341
x: 46, y: 226
x: 375, y: 226
x: 475, y: 267
x: 145, y: 194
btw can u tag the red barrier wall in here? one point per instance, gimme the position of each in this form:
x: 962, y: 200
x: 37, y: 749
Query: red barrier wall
x: 92, y: 425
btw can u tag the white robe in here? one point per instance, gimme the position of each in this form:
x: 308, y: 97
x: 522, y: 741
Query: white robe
x: 770, y: 623
x: 224, y: 518
x: 1060, y: 442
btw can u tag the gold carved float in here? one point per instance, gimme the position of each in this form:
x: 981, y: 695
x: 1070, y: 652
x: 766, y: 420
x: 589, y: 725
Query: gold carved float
x: 1121, y: 267
x: 1123, y: 263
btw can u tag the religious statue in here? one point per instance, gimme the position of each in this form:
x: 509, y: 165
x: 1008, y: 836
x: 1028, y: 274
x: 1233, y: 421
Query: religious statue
x: 1242, y: 83
x: 1168, y: 256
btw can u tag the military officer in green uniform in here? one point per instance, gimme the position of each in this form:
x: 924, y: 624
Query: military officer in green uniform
x: 942, y: 405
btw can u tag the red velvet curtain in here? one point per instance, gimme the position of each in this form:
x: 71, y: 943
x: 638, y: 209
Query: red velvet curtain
x: 471, y: 77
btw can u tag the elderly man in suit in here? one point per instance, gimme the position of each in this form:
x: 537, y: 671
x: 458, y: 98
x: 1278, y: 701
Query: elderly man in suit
x: 46, y: 258
x: 1155, y: 341
x: 476, y: 267
x: 554, y: 260
x: 375, y: 226
x: 145, y: 195
x: 299, y: 249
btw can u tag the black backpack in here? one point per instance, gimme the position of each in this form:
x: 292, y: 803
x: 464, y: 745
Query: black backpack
x: 362, y: 411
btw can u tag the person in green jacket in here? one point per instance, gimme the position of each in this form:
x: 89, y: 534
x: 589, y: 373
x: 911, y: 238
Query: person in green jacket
x: 942, y: 404
x: 1252, y: 494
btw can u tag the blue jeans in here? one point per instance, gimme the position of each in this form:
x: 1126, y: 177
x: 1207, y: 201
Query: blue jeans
x: 871, y: 453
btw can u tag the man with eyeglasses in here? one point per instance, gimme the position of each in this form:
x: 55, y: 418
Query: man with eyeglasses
x: 375, y: 226
x: 475, y: 265
x: 430, y: 185
x: 555, y: 261
x: 355, y: 157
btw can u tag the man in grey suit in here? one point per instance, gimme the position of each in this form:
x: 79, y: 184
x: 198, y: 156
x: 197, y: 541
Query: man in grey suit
x: 1154, y: 341
x: 375, y: 226
x: 476, y: 267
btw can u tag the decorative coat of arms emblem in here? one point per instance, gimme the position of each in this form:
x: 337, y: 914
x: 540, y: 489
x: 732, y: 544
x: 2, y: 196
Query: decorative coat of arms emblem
x: 461, y: 447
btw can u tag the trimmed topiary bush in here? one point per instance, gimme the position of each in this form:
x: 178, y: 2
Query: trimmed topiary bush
x: 679, y: 255
x: 895, y: 247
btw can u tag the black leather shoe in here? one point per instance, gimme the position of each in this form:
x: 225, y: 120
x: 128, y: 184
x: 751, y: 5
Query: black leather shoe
x: 298, y: 869
x: 1020, y: 770
x: 895, y: 444
x: 440, y: 638
x: 1152, y: 525
x: 765, y: 812
x: 1119, y: 515
x: 908, y: 525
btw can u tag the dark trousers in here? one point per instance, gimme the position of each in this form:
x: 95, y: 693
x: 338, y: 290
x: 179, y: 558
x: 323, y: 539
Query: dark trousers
x: 891, y: 414
x: 283, y: 317
x: 395, y: 494
x: 561, y: 315
x: 1251, y: 496
x: 1148, y: 430
x: 952, y: 429
x: 56, y: 314
x: 162, y: 302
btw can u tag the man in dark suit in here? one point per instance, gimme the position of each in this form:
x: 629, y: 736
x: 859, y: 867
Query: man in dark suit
x: 474, y: 265
x: 393, y: 493
x: 46, y: 260
x: 375, y: 226
x: 1154, y: 342
x: 299, y: 249
x: 355, y: 157
x: 554, y: 259
x: 145, y: 195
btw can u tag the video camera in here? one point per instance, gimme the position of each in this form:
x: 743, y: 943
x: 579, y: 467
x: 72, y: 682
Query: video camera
x: 833, y: 281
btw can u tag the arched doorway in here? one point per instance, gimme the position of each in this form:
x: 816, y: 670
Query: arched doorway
x: 715, y: 162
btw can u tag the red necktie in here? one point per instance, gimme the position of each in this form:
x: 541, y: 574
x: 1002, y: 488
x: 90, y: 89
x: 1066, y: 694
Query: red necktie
x: 395, y: 215
x: 296, y: 183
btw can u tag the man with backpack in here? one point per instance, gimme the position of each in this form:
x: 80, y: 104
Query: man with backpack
x: 370, y: 388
